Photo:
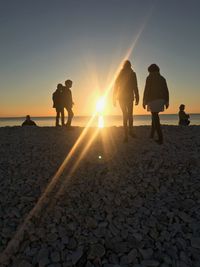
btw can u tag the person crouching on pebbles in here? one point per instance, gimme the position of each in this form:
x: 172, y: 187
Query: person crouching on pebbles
x: 183, y: 117
x: 28, y: 122
x: 58, y: 104
x: 156, y: 96
x: 68, y: 102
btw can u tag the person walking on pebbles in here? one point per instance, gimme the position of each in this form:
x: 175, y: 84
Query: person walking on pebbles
x: 68, y: 102
x: 156, y: 97
x: 125, y: 91
x: 58, y: 104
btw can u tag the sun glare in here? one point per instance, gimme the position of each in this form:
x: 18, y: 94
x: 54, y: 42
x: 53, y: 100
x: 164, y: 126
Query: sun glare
x: 100, y: 121
x: 100, y: 106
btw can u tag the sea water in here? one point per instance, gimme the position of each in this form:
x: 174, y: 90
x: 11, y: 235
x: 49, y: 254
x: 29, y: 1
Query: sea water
x: 168, y: 119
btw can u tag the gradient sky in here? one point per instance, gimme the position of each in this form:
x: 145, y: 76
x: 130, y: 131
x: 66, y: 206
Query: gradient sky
x: 44, y: 42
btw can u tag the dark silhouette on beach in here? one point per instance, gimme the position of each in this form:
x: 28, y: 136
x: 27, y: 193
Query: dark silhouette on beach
x: 183, y: 117
x: 28, y: 122
x: 126, y: 91
x: 58, y: 104
x: 68, y: 102
x: 156, y: 96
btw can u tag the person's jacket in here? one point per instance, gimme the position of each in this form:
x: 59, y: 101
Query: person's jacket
x: 126, y: 88
x: 67, y: 98
x: 57, y: 99
x: 155, y: 88
x: 183, y: 117
x: 29, y: 123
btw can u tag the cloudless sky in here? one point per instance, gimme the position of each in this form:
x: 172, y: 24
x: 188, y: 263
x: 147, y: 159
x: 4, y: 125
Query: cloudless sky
x: 44, y: 42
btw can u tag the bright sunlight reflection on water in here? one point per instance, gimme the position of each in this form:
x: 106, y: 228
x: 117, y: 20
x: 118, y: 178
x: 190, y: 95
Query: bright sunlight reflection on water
x: 100, y: 106
x: 100, y: 121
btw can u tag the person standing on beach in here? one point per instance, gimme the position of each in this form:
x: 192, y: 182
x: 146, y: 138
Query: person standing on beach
x: 68, y: 102
x: 126, y: 91
x: 156, y: 96
x: 58, y: 104
x: 183, y: 117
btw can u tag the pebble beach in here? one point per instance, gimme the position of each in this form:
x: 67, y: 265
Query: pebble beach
x: 94, y: 201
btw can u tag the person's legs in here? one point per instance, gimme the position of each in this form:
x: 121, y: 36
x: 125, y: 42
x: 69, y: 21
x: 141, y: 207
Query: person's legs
x: 152, y: 126
x: 158, y: 127
x: 130, y: 118
x: 125, y: 119
x: 70, y: 116
x: 57, y: 117
x: 130, y: 114
x: 62, y: 116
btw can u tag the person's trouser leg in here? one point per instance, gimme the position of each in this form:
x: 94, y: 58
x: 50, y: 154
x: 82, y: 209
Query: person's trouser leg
x: 62, y: 116
x: 158, y: 126
x: 152, y: 126
x: 125, y: 117
x: 57, y: 117
x: 130, y: 115
x: 70, y: 116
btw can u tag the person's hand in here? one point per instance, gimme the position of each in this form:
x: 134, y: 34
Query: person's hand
x: 167, y: 105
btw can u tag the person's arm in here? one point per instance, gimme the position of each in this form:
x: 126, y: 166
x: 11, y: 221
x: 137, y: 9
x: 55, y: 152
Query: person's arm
x: 135, y: 86
x: 183, y: 115
x: 115, y: 92
x: 71, y: 100
x: 53, y: 99
x: 145, y: 95
x: 166, y: 94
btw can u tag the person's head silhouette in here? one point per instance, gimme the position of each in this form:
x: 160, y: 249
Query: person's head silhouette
x: 182, y: 107
x: 68, y: 83
x: 28, y: 117
x: 127, y: 64
x: 153, y: 68
x: 59, y: 86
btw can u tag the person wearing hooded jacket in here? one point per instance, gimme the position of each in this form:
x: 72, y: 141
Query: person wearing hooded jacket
x: 68, y: 101
x: 156, y: 97
x: 58, y: 104
x: 126, y: 91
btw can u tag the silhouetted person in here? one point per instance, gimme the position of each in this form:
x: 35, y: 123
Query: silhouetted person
x: 126, y: 91
x: 28, y: 122
x: 183, y: 117
x: 58, y: 104
x: 68, y: 102
x: 156, y: 96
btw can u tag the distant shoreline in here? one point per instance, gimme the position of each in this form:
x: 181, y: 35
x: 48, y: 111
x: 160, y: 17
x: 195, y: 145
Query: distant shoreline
x: 109, y: 120
x: 86, y: 116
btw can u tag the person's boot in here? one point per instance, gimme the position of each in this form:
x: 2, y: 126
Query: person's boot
x: 151, y: 136
x: 63, y: 122
x: 57, y: 122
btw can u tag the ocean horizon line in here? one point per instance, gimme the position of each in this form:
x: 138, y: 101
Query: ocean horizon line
x: 86, y: 116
